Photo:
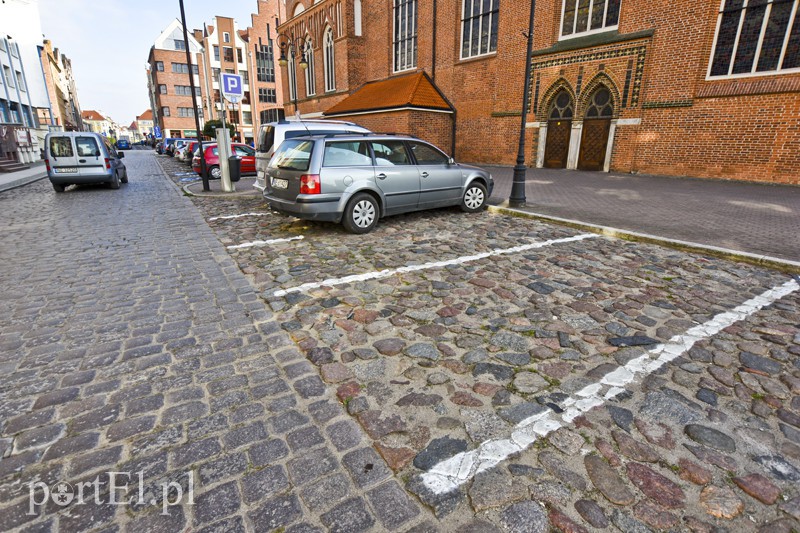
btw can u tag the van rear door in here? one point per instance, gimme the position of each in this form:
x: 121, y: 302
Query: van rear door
x: 62, y: 155
x: 91, y: 161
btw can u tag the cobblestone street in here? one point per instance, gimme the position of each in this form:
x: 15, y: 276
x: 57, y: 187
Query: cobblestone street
x: 447, y: 372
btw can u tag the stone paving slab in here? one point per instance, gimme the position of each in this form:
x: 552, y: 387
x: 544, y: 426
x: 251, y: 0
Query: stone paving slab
x: 432, y: 363
x: 130, y: 342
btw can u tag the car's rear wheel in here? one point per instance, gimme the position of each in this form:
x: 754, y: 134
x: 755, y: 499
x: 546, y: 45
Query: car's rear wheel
x: 361, y: 214
x: 114, y: 183
x: 214, y: 173
x: 474, y: 198
x: 59, y: 187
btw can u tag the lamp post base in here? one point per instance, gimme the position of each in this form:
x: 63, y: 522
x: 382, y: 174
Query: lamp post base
x: 517, y: 198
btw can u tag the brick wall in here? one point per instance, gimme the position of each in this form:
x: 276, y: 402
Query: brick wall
x: 672, y: 120
x: 173, y: 123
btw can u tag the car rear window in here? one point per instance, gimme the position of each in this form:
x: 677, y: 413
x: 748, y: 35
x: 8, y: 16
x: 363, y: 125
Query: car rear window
x: 346, y: 154
x: 266, y: 138
x: 86, y: 146
x: 61, y: 147
x: 292, y: 155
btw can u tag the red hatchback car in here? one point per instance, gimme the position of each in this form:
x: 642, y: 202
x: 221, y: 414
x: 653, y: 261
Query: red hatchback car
x: 246, y: 153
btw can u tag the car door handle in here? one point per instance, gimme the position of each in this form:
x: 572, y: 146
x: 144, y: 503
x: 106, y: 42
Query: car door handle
x: 81, y: 161
x: 424, y: 174
x: 381, y: 176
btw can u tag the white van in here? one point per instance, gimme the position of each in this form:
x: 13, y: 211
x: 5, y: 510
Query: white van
x: 271, y: 135
x: 77, y: 157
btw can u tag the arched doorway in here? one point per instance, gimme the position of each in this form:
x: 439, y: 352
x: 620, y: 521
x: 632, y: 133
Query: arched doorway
x: 559, y: 126
x: 596, y: 125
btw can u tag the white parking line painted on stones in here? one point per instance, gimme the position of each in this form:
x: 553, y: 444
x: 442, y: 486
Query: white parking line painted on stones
x: 228, y: 217
x: 451, y: 473
x: 263, y: 243
x: 427, y: 266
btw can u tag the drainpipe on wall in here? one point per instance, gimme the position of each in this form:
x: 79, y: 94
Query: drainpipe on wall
x: 433, y: 58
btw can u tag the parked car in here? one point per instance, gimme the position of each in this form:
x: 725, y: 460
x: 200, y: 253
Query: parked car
x: 123, y: 144
x: 185, y: 152
x: 357, y: 179
x: 159, y: 147
x: 171, y: 143
x: 271, y: 135
x: 73, y: 157
x: 246, y: 153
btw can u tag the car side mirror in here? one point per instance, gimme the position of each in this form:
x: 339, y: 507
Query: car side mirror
x: 97, y: 153
x: 121, y: 154
x: 451, y: 161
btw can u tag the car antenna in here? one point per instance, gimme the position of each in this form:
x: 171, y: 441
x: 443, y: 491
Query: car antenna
x: 297, y: 115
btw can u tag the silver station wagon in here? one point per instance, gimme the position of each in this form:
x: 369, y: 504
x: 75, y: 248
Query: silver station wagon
x: 356, y: 179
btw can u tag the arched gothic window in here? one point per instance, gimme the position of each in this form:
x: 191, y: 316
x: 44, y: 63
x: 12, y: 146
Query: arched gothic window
x: 329, y: 60
x: 600, y: 105
x: 561, y: 108
x: 311, y: 82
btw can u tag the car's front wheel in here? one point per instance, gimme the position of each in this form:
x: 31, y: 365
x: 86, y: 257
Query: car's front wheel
x: 361, y: 214
x: 124, y: 178
x: 214, y: 173
x: 474, y: 198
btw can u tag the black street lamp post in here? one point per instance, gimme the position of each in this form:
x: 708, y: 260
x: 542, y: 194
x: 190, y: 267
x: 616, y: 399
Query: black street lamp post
x: 517, y: 198
x: 203, y: 173
x: 291, y: 46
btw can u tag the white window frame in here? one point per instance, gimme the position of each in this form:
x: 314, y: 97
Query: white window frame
x: 410, y: 41
x: 463, y: 19
x: 329, y: 60
x: 311, y: 81
x: 601, y: 29
x: 226, y: 37
x: 795, y: 15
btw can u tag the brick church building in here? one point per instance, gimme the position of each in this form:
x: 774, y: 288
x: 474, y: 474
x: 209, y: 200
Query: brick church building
x: 707, y: 88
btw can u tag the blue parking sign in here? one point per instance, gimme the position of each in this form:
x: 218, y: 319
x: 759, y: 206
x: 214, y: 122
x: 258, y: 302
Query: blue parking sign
x: 232, y: 86
x: 157, y: 132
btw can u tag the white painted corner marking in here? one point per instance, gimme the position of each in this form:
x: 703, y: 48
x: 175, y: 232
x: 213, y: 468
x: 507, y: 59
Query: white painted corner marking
x: 449, y: 474
x: 427, y: 266
x: 229, y: 217
x: 263, y: 243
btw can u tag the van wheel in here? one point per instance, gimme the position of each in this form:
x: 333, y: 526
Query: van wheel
x: 361, y: 214
x: 474, y: 198
x: 114, y: 183
x: 124, y: 177
x: 214, y: 173
x: 58, y: 187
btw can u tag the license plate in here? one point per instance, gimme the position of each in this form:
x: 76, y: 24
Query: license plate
x: 66, y: 170
x: 280, y: 184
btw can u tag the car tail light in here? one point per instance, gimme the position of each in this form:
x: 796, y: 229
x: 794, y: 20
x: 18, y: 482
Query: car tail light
x: 47, y: 164
x: 108, y: 163
x: 309, y: 184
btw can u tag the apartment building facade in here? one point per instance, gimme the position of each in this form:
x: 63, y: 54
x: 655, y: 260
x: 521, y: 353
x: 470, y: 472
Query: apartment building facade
x: 98, y: 123
x: 144, y: 124
x: 226, y: 52
x: 65, y: 110
x: 168, y: 82
x: 265, y: 76
x: 707, y: 89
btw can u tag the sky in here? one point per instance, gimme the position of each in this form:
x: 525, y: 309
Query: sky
x: 108, y: 42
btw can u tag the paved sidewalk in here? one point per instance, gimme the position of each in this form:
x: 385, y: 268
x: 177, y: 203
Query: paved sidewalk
x: 131, y: 342
x: 12, y: 180
x: 761, y: 219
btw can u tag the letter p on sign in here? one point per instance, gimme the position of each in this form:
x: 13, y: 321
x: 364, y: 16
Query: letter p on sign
x: 232, y: 87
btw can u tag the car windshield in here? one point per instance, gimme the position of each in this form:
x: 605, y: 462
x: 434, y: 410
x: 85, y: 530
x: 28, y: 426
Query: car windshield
x: 292, y: 155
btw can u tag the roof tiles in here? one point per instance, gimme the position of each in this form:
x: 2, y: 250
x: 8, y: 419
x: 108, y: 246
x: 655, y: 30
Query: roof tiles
x: 412, y: 90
